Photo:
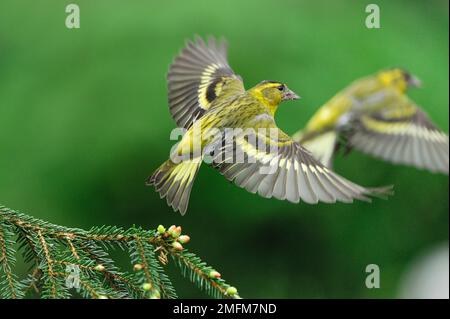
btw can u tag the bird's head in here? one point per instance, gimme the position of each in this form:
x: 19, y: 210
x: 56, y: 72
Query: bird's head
x: 399, y: 79
x: 272, y: 93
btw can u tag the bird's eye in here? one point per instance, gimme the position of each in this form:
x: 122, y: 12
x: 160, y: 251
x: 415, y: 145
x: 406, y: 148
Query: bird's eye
x: 281, y: 88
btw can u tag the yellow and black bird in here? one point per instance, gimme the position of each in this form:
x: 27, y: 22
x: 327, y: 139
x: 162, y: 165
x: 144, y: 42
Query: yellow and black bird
x: 374, y: 115
x: 206, y: 97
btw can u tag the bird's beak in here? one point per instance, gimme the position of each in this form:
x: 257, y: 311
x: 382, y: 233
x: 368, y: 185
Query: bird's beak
x: 290, y: 95
x: 414, y: 82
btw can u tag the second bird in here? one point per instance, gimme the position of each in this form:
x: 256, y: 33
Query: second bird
x: 374, y: 115
x: 206, y: 97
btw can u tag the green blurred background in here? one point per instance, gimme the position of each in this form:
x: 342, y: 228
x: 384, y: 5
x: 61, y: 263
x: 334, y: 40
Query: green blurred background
x: 84, y: 120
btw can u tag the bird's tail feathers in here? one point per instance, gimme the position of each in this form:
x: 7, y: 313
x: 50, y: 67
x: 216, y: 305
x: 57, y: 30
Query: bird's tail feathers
x: 174, y: 181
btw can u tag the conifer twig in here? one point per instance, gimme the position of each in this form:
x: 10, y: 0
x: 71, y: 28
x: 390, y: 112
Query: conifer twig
x: 64, y: 260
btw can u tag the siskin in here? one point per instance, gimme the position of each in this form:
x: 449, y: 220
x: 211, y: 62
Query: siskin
x: 374, y: 115
x: 206, y: 97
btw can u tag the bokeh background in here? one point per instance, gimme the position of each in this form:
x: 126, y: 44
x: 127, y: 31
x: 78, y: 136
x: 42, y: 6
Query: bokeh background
x: 84, y: 120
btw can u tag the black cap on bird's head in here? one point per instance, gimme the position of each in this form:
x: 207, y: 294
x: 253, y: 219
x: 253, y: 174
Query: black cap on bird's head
x: 286, y: 93
x: 273, y: 93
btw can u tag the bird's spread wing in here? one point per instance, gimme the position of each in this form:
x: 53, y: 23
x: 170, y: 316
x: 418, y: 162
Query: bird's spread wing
x: 402, y: 135
x: 197, y: 77
x: 271, y: 164
x: 322, y: 145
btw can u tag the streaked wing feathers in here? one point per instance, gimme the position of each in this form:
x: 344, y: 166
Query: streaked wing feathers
x: 322, y: 145
x: 195, y: 79
x: 287, y: 172
x: 412, y: 140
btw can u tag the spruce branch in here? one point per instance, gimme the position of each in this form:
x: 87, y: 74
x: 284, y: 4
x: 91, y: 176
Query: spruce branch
x: 9, y: 285
x: 63, y: 260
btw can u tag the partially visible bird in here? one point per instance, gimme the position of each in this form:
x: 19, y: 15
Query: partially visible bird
x: 374, y: 115
x: 206, y: 98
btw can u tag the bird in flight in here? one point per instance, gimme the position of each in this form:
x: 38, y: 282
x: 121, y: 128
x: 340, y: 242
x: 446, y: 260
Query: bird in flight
x: 208, y: 99
x: 375, y: 116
